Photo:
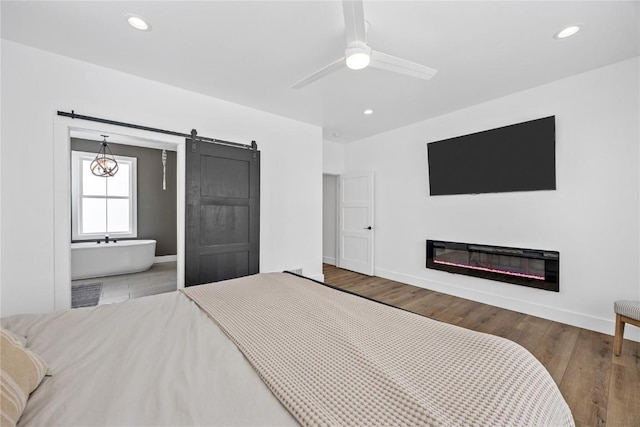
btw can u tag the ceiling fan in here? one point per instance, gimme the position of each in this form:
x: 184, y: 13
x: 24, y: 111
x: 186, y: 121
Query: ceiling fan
x: 359, y: 55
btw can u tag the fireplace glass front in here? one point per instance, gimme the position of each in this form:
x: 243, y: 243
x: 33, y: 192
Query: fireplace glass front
x: 527, y: 267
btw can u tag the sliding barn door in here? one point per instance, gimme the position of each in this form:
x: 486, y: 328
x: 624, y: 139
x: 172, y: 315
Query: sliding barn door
x: 222, y: 212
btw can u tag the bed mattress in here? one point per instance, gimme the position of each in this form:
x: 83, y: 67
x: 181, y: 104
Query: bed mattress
x: 276, y: 349
x: 153, y: 361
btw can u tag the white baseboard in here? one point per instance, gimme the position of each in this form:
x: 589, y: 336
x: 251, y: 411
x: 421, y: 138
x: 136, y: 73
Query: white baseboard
x: 328, y: 260
x: 581, y: 320
x: 165, y: 258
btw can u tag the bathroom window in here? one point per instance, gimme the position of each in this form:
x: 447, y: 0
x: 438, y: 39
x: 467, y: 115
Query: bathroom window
x: 103, y: 206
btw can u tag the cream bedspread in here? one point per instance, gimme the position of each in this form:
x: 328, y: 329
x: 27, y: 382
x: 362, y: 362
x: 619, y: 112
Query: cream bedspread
x: 338, y: 359
x: 330, y: 358
x: 152, y: 361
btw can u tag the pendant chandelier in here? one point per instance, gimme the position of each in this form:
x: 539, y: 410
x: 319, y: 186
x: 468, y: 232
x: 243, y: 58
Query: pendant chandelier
x: 104, y: 164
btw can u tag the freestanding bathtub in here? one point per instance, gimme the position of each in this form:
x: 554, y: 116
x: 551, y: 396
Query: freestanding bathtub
x: 90, y: 259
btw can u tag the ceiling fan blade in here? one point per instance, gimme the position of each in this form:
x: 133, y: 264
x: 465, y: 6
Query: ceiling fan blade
x: 398, y: 65
x: 334, y: 66
x: 354, y: 21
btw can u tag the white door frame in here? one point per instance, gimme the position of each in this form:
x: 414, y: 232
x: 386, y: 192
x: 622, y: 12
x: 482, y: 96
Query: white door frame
x: 62, y: 129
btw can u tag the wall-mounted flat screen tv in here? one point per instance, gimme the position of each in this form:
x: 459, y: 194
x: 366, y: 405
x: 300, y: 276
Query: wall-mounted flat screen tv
x: 520, y: 157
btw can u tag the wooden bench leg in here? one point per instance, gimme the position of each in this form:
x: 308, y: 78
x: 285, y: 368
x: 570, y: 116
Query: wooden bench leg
x: 617, y: 341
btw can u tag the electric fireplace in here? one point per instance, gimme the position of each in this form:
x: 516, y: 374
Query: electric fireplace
x: 527, y: 267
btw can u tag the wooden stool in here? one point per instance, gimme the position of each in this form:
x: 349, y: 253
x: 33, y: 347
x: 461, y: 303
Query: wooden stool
x: 626, y: 312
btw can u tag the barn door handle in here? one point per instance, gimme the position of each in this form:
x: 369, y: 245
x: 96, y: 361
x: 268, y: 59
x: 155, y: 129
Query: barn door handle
x: 368, y: 228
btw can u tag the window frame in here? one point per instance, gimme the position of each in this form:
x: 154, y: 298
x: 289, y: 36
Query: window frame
x: 77, y: 157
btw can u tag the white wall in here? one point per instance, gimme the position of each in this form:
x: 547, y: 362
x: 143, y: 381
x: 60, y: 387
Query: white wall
x: 35, y: 84
x: 332, y: 157
x: 329, y: 218
x: 1, y: 63
x: 592, y: 218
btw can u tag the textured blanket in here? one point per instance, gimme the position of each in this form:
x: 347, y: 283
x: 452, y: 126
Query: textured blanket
x: 333, y: 358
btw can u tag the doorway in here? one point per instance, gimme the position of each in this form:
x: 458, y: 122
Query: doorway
x: 64, y: 130
x: 330, y: 219
x: 348, y: 223
x: 124, y: 234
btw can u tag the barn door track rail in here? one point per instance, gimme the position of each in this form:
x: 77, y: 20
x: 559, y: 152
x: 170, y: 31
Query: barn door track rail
x: 193, y: 135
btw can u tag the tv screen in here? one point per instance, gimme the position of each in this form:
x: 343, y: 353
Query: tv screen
x: 520, y: 157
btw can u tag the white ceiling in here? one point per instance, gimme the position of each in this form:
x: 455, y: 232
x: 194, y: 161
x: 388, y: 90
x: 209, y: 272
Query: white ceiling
x: 252, y: 52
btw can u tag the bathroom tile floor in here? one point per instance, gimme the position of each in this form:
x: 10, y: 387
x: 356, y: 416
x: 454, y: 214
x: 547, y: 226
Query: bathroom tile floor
x: 160, y: 278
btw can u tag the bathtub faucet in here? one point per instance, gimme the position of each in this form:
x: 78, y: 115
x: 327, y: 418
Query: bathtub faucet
x: 106, y: 240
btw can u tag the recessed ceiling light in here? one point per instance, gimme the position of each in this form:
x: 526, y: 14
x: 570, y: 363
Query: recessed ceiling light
x: 138, y: 23
x: 567, y: 32
x: 368, y: 111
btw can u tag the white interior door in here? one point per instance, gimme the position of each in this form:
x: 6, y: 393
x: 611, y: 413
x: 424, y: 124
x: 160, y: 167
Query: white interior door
x: 356, y: 222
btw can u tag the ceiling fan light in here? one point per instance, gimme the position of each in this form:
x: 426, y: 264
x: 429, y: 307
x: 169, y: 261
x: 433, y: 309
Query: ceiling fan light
x: 358, y: 61
x: 358, y: 56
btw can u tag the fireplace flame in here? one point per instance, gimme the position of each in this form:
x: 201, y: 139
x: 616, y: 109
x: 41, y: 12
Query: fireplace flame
x: 474, y: 267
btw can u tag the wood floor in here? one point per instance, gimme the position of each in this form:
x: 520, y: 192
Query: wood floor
x: 600, y: 388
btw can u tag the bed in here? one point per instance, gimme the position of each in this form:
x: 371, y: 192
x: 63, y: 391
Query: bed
x: 276, y: 349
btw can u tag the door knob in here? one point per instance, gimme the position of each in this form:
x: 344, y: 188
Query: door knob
x: 368, y: 228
